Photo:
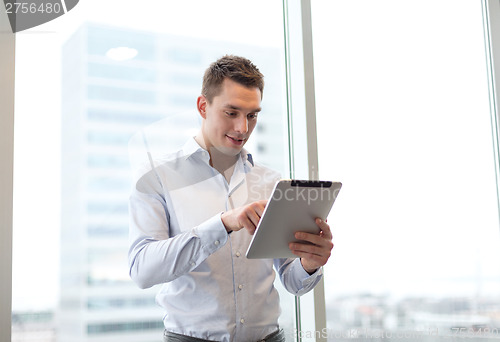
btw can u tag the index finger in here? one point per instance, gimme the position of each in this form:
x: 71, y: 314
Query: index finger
x: 260, y: 206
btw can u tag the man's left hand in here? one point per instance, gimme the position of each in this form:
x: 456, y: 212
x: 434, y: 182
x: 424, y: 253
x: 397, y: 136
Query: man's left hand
x: 314, y: 254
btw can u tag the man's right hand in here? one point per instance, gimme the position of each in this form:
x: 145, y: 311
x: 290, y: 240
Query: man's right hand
x: 246, y: 217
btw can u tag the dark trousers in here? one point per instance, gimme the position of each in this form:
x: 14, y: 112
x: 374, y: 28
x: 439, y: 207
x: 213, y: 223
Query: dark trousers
x: 278, y: 336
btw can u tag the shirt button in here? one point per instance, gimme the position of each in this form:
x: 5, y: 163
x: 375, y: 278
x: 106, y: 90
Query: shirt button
x: 240, y: 286
x: 238, y: 254
x: 216, y: 242
x: 242, y: 321
x: 192, y: 263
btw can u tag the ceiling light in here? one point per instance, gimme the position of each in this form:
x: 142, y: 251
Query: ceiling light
x: 121, y: 53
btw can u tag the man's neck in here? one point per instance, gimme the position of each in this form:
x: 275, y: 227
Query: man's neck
x: 221, y: 162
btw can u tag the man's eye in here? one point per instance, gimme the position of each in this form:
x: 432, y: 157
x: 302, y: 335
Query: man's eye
x: 252, y: 116
x: 230, y: 113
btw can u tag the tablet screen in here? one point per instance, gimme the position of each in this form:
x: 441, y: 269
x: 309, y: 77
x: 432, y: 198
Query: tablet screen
x: 293, y: 207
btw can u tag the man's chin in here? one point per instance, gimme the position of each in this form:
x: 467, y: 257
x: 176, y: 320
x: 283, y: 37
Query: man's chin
x: 229, y: 151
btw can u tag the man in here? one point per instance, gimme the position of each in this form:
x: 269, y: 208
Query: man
x: 193, y: 215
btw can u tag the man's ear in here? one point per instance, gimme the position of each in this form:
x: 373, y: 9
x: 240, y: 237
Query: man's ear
x: 201, y: 104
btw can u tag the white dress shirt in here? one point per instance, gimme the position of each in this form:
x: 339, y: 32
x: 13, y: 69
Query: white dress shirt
x: 211, y: 290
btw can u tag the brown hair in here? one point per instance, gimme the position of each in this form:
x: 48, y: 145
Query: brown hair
x: 238, y: 69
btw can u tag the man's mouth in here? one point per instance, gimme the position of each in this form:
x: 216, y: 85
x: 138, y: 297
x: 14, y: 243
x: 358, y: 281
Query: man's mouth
x: 236, y: 141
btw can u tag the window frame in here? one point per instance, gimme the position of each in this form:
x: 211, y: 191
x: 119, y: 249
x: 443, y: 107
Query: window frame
x: 302, y: 134
x: 491, y: 24
x: 7, y: 84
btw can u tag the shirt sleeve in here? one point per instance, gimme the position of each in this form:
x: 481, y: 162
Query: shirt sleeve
x: 154, y: 256
x: 294, y: 278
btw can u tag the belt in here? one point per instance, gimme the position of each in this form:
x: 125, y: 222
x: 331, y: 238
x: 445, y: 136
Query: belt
x: 168, y: 336
x: 277, y: 336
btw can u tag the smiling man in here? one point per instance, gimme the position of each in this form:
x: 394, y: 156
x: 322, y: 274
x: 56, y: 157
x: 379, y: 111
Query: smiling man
x: 228, y: 121
x: 193, y: 214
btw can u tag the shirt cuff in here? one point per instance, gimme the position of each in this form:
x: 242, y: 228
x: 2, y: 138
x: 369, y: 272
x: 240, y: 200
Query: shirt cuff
x: 308, y: 279
x: 212, y: 234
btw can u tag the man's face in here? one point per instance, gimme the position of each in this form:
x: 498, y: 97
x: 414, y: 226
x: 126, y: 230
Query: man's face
x: 230, y: 118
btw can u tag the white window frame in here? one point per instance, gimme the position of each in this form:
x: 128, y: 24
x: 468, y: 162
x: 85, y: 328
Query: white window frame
x: 7, y: 62
x: 302, y: 128
x: 491, y: 22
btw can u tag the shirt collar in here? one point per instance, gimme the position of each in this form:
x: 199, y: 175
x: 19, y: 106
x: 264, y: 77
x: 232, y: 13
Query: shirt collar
x: 191, y: 147
x: 246, y: 156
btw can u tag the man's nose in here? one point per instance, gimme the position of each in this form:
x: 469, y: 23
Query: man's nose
x: 242, y: 125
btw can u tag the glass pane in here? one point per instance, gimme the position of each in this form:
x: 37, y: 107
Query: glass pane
x: 79, y: 102
x: 403, y: 122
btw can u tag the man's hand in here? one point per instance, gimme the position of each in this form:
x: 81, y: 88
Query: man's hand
x: 316, y: 254
x: 244, y: 217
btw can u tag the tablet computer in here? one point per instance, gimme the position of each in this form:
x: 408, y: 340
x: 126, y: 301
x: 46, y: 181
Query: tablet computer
x: 293, y: 206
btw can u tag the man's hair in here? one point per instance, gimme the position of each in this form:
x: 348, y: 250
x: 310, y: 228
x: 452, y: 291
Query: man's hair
x: 235, y: 68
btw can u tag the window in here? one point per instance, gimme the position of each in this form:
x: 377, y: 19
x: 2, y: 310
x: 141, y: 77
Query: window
x: 403, y: 121
x: 77, y: 107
